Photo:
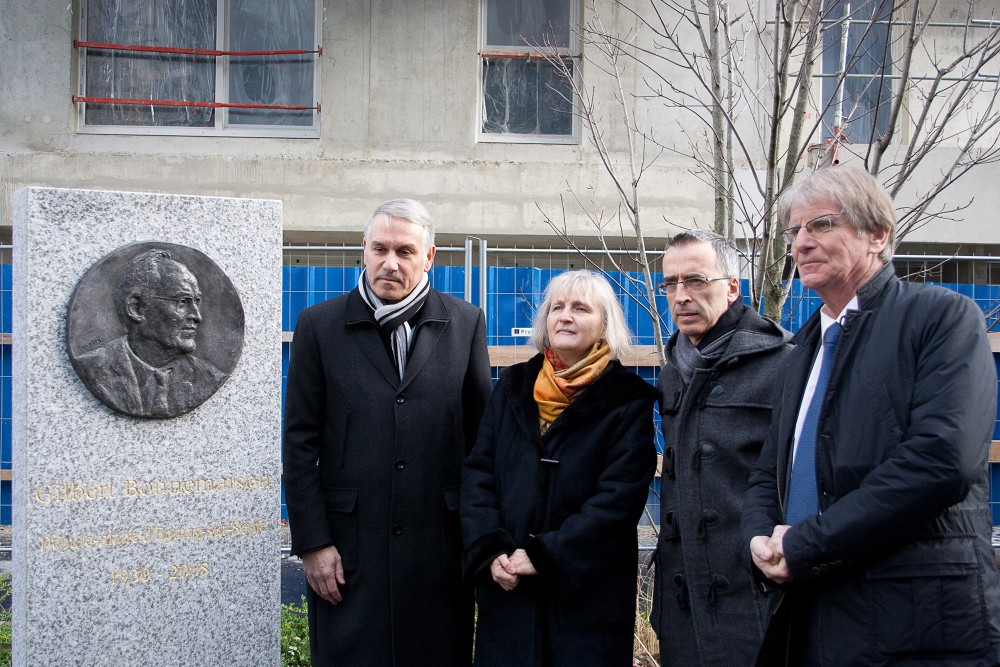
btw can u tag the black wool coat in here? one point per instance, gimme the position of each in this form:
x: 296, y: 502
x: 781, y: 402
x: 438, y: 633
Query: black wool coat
x: 571, y: 498
x: 372, y: 465
x: 707, y: 611
x: 897, y: 569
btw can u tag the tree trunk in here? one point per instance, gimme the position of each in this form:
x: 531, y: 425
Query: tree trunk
x: 718, y: 121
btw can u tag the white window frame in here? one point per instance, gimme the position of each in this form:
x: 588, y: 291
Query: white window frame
x: 574, y: 52
x: 222, y: 128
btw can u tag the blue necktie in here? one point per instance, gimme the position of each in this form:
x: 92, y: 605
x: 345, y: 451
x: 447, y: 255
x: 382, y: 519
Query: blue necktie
x: 802, y: 499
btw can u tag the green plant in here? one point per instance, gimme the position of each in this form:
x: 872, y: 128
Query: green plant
x: 294, y: 635
x: 646, y: 646
x: 5, y: 636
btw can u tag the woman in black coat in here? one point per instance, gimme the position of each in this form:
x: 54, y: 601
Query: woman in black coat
x: 554, y: 487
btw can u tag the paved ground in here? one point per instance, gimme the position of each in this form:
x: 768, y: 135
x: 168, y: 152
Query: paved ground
x: 293, y: 581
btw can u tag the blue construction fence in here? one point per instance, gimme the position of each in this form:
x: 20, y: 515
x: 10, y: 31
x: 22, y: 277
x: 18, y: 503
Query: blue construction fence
x: 513, y: 294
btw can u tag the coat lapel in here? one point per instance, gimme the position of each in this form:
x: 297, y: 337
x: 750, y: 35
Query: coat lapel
x: 121, y: 380
x: 520, y: 392
x: 433, y: 321
x: 364, y: 331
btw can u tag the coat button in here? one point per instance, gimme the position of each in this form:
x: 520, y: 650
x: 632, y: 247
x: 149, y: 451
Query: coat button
x: 400, y: 464
x: 397, y: 530
x: 668, y: 461
x: 816, y: 570
x: 400, y: 398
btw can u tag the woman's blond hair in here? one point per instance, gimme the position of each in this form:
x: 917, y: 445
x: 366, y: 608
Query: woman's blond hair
x: 593, y: 288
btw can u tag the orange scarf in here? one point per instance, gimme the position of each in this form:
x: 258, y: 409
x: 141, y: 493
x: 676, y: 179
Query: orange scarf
x: 557, y: 385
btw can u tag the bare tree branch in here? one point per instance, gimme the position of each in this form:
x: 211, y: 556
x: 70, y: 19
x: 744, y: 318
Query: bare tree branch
x: 737, y: 84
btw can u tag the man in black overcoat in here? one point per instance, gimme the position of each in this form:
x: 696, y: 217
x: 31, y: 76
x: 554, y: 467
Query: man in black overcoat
x: 385, y: 389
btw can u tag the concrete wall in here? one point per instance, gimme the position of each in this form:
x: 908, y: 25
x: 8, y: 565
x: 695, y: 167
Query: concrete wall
x: 399, y: 94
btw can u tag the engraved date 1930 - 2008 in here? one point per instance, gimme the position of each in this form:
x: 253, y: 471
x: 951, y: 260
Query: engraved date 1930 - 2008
x: 147, y: 575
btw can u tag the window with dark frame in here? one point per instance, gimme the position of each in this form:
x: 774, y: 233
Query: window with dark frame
x: 245, y: 67
x: 861, y: 109
x: 525, y: 96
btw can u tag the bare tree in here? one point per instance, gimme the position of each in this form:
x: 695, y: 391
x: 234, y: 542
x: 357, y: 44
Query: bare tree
x: 750, y: 106
x: 609, y: 56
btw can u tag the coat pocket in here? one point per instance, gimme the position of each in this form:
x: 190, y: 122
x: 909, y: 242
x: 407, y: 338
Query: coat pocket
x: 450, y: 494
x: 342, y: 513
x: 929, y: 599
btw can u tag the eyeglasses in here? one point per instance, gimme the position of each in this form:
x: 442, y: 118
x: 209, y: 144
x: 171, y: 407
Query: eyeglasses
x: 818, y: 225
x: 181, y: 303
x: 692, y: 284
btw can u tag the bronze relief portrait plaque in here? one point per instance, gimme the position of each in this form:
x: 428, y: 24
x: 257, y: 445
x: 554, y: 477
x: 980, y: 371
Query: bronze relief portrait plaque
x: 154, y: 329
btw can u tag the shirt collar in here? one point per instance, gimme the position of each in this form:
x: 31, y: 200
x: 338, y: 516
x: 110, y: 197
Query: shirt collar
x: 825, y: 320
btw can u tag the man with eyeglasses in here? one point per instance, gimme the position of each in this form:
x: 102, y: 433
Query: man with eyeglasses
x: 152, y: 371
x: 722, y: 363
x: 868, y: 506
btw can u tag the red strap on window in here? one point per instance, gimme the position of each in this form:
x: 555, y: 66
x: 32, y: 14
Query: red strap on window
x: 190, y: 52
x: 186, y: 103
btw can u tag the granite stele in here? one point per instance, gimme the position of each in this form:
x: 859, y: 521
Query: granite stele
x: 146, y: 402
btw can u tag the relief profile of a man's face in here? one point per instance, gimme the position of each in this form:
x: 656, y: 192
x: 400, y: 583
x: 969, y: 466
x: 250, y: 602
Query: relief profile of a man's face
x: 171, y: 309
x: 163, y: 364
x: 162, y: 307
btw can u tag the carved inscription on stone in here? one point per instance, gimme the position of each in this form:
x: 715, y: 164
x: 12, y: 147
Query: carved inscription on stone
x: 120, y: 554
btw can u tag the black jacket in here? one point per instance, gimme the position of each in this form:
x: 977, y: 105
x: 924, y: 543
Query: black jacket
x: 372, y: 465
x: 571, y: 499
x: 898, y: 565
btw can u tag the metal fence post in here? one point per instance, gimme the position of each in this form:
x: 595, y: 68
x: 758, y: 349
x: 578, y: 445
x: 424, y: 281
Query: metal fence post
x: 468, y: 269
x: 483, y: 274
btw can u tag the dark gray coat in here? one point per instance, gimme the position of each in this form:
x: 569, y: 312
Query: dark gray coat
x: 706, y: 609
x: 571, y: 499
x: 372, y: 465
x: 897, y: 569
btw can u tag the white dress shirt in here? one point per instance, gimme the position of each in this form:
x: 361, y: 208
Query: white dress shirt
x: 825, y: 322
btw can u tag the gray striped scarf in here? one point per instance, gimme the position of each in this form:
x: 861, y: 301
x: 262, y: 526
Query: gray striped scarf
x: 395, y: 317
